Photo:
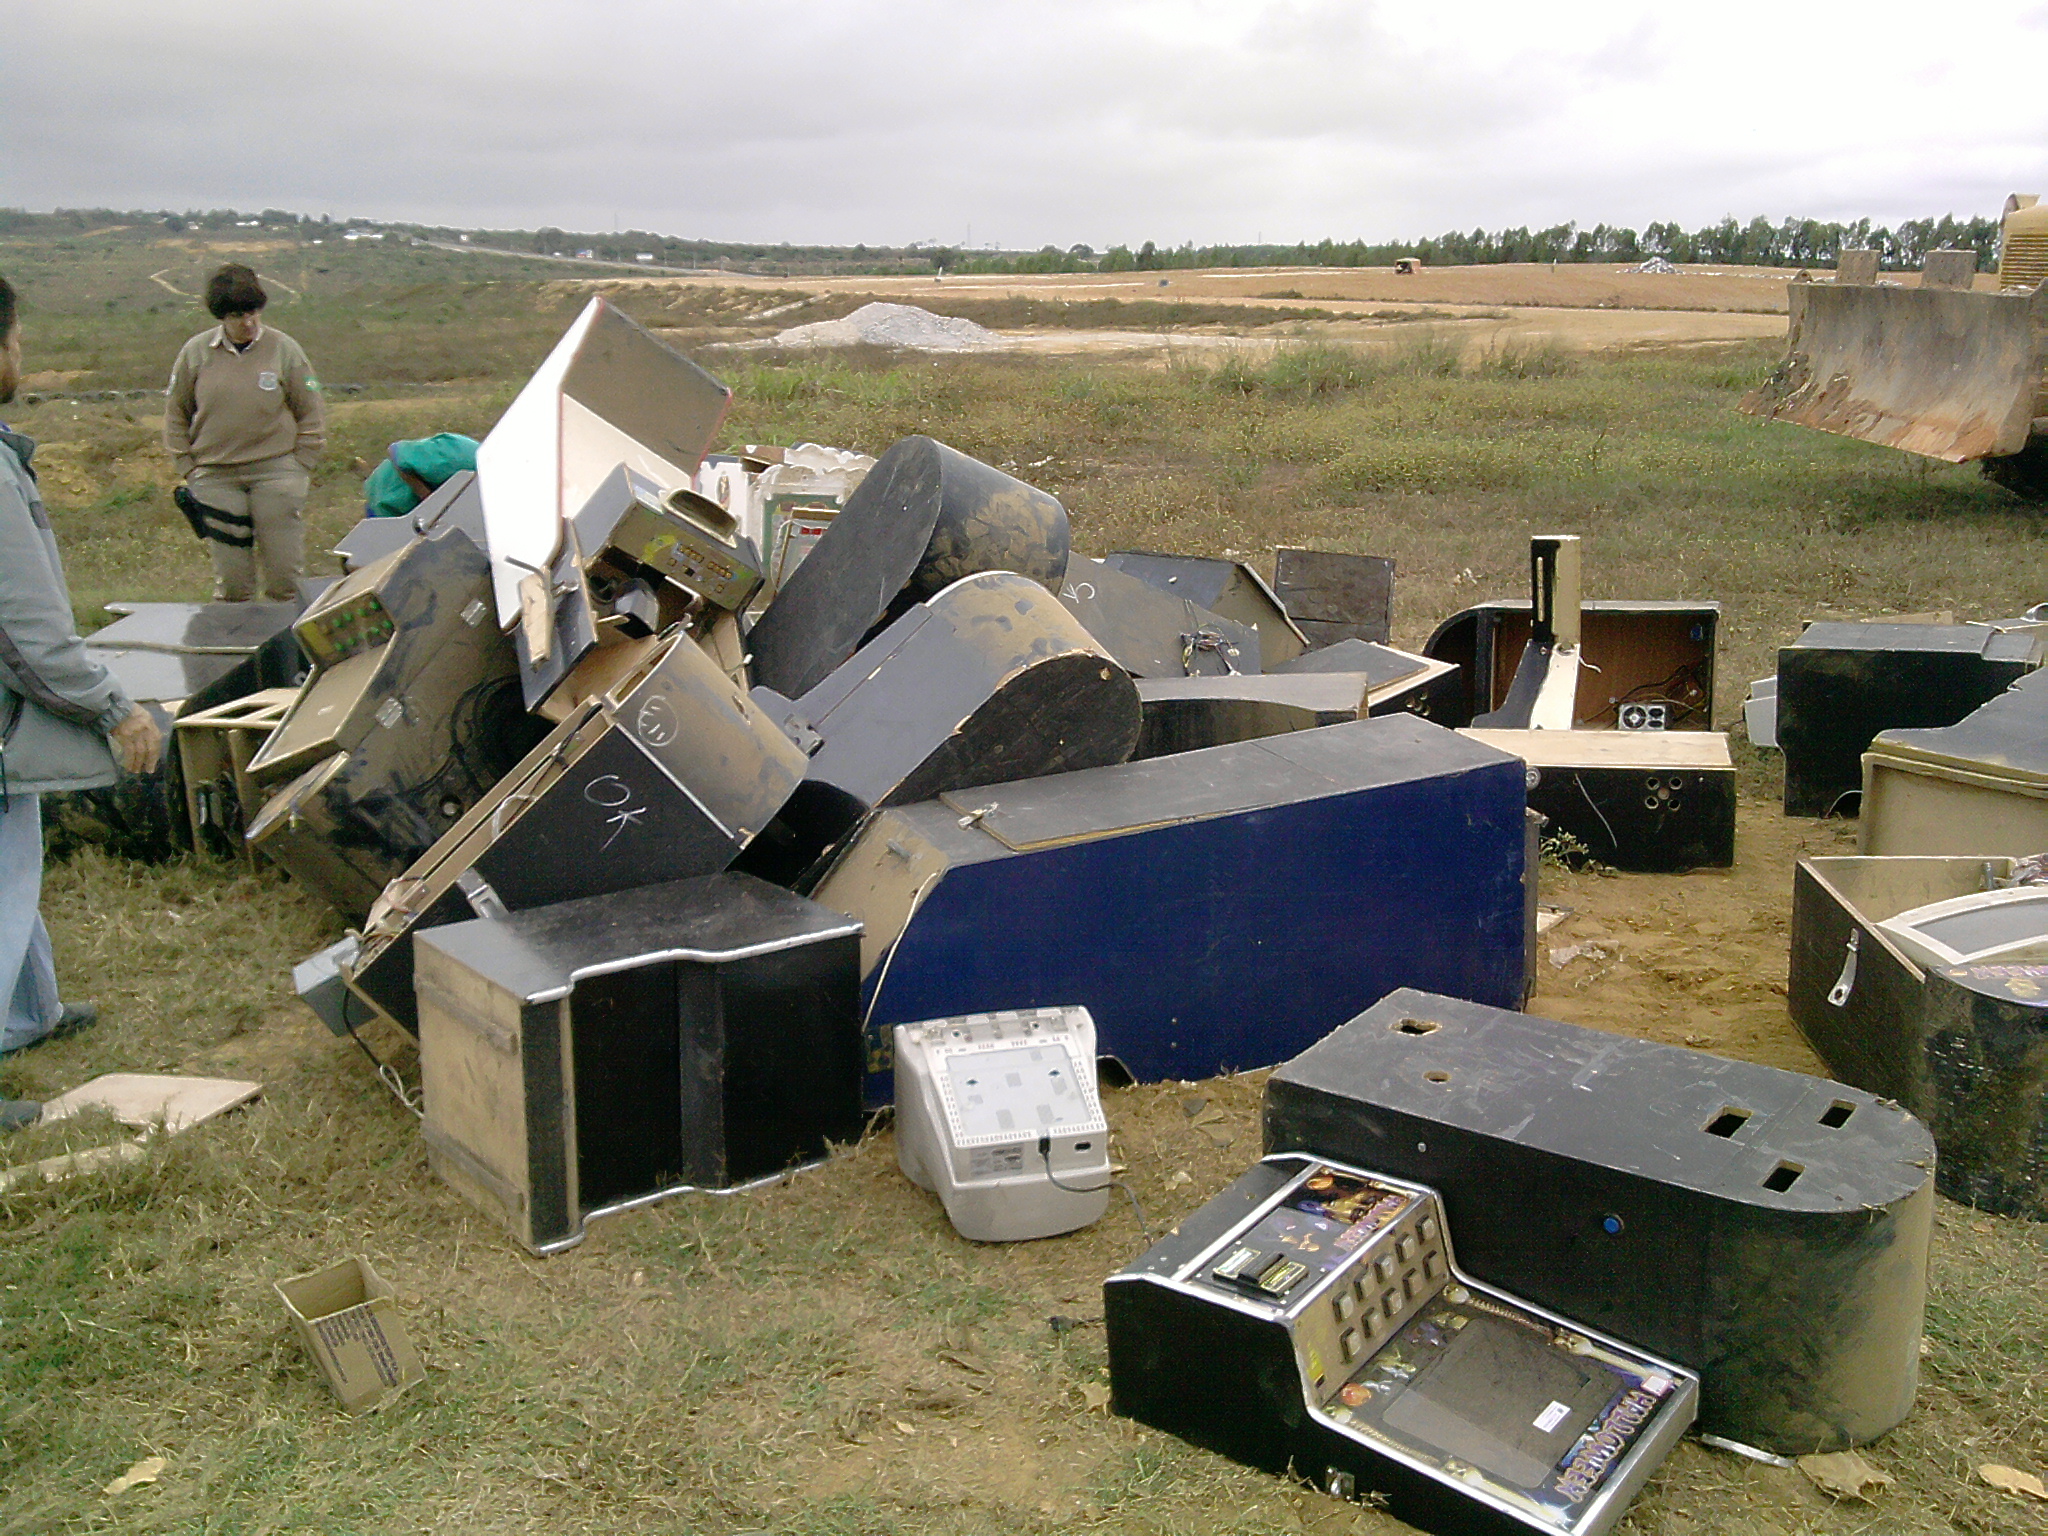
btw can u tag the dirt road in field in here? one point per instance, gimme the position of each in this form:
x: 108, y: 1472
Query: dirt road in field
x: 1576, y: 330
x: 1565, y: 286
x: 1576, y: 285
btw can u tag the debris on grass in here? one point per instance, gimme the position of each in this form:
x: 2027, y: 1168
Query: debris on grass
x: 147, y: 1470
x: 2013, y: 1480
x: 1844, y: 1475
x: 1737, y: 1448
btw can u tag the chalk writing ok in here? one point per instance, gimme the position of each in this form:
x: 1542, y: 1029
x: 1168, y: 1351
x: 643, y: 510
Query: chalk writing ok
x: 611, y: 793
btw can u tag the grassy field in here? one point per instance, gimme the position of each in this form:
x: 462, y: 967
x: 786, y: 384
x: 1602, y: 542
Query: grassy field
x: 825, y: 1357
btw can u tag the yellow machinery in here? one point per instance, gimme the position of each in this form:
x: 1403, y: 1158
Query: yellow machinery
x: 1945, y: 368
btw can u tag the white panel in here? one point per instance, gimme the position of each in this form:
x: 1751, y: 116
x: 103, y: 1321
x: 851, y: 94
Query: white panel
x: 592, y: 448
x: 519, y: 472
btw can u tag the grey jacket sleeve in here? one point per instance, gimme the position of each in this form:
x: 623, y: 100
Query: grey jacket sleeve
x: 42, y: 659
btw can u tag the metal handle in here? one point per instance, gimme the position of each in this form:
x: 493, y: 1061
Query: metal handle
x: 1846, y: 982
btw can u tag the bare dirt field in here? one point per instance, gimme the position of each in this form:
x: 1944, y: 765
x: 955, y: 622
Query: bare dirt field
x: 1572, y: 285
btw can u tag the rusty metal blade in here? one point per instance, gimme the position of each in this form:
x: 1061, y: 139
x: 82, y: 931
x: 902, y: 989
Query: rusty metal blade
x: 1952, y: 375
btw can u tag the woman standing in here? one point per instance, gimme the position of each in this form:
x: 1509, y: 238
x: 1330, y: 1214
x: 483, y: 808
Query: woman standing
x: 244, y: 420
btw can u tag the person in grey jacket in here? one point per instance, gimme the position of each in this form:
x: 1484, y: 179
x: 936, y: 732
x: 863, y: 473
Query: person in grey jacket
x: 64, y: 724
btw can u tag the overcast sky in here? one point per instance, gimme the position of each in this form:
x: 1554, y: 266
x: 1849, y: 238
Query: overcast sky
x: 1018, y: 124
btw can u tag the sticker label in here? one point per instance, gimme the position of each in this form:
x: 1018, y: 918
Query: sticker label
x: 1552, y: 1416
x: 267, y: 379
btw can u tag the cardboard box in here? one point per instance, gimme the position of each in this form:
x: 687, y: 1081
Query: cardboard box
x: 347, y: 1316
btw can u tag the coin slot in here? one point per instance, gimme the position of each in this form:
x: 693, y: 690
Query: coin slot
x: 1728, y: 1122
x: 1782, y: 1177
x: 1437, y: 1077
x: 1417, y: 1026
x: 1836, y: 1115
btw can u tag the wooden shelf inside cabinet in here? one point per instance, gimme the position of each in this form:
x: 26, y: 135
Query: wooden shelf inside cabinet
x: 215, y: 747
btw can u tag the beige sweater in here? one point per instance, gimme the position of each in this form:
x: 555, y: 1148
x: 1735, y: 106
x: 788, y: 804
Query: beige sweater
x: 225, y: 407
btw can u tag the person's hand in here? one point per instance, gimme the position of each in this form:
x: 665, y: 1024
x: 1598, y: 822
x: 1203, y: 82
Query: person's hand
x: 135, y: 741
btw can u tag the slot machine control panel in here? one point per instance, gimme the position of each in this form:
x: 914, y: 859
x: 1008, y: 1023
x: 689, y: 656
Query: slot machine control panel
x: 1317, y: 1319
x: 1381, y: 1267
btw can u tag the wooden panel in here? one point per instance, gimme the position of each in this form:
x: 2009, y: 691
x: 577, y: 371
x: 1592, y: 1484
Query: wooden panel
x: 1643, y: 656
x: 215, y: 747
x: 1334, y: 597
x: 1922, y: 808
x: 474, y: 1083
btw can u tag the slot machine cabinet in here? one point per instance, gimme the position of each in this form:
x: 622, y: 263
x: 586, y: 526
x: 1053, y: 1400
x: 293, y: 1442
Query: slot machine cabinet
x: 925, y: 516
x: 594, y: 1055
x: 1766, y: 1229
x: 1214, y: 910
x: 1634, y: 653
x: 1312, y: 1320
x: 669, y: 774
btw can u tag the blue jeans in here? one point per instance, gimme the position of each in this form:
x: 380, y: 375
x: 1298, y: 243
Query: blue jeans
x: 27, y: 972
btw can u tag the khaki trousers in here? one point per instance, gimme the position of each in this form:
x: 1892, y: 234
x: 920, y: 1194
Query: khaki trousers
x: 270, y: 493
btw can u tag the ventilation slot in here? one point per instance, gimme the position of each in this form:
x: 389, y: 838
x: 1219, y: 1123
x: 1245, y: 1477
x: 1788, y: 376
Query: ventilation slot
x: 1417, y: 1026
x: 1728, y: 1122
x: 1836, y: 1115
x: 1782, y: 1177
x: 1437, y: 1077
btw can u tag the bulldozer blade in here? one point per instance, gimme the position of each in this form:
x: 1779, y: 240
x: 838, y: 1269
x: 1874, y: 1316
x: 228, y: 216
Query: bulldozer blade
x: 1951, y: 375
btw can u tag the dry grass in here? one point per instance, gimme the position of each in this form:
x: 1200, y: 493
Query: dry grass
x: 826, y: 1356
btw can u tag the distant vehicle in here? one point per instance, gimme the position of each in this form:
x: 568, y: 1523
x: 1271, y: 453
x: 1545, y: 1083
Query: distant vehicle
x: 1943, y: 369
x: 1408, y: 266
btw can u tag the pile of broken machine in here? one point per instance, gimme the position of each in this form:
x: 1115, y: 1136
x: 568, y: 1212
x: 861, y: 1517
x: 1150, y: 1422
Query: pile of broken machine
x: 669, y: 854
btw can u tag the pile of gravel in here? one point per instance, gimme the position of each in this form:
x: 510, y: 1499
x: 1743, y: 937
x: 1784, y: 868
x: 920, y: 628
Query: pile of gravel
x: 893, y: 325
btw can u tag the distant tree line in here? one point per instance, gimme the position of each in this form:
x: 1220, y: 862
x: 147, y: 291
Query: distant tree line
x: 1788, y: 243
x: 1759, y: 243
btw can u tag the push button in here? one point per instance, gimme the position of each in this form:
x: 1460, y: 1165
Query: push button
x: 1412, y: 1284
x: 1344, y: 1305
x: 1432, y: 1267
x: 1404, y: 1248
x: 1427, y: 1227
x: 1384, y: 1268
x: 1390, y: 1304
x: 1349, y: 1344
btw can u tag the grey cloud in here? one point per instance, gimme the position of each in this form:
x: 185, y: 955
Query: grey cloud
x: 890, y: 120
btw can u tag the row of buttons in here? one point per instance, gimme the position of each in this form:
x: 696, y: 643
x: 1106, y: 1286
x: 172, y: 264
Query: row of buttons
x: 1376, y: 1313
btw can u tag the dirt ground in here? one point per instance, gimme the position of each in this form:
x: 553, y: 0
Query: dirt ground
x: 1695, y: 959
x: 1567, y: 285
x: 878, y: 1372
